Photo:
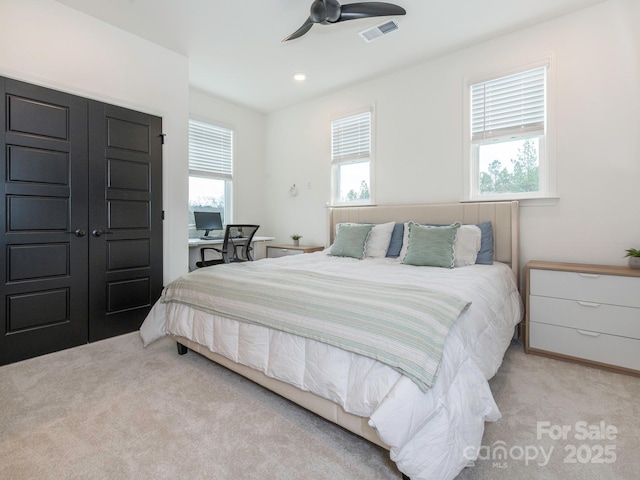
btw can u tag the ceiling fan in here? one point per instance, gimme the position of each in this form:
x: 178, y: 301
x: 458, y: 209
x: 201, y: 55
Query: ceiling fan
x: 330, y: 11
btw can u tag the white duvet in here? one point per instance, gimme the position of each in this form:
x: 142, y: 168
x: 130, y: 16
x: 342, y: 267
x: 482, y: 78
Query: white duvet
x: 432, y: 435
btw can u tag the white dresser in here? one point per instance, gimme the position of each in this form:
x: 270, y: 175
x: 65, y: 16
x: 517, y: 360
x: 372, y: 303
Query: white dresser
x: 584, y: 313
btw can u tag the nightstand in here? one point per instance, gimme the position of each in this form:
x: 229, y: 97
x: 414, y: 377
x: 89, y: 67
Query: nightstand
x: 588, y: 314
x: 275, y: 251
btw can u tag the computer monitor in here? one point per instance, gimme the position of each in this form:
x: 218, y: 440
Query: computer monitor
x: 208, y: 221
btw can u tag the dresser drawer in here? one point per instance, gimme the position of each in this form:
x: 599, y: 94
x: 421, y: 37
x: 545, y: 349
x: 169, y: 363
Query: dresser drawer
x: 595, y: 317
x: 609, y: 289
x: 274, y: 252
x: 597, y: 347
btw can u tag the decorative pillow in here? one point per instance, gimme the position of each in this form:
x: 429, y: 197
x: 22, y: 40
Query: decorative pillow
x: 395, y: 244
x: 485, y: 255
x: 350, y: 240
x: 431, y: 246
x: 467, y: 245
x: 379, y: 238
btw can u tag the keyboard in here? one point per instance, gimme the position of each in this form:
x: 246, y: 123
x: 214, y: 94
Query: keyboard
x: 219, y: 237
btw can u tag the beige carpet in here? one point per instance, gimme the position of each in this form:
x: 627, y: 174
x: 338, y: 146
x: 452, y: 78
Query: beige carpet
x: 113, y: 410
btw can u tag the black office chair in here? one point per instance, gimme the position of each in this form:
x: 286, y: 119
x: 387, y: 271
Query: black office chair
x: 236, y: 246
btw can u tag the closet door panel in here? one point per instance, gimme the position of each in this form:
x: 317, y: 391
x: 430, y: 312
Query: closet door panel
x: 37, y: 166
x: 43, y: 261
x: 126, y: 216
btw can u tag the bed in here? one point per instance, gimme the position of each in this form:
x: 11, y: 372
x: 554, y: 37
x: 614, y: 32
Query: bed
x: 428, y: 411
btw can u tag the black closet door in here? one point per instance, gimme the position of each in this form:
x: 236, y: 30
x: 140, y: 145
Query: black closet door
x: 43, y: 217
x: 125, y: 218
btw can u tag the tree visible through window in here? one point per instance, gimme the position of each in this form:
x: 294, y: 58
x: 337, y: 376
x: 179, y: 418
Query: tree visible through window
x: 362, y: 194
x: 206, y: 195
x: 520, y: 175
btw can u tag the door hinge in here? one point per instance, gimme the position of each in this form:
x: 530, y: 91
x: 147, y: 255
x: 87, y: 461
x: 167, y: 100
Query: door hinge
x: 162, y: 214
x: 162, y: 135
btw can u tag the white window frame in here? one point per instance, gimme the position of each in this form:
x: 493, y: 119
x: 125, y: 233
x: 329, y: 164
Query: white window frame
x: 363, y: 152
x: 546, y: 148
x: 217, y: 163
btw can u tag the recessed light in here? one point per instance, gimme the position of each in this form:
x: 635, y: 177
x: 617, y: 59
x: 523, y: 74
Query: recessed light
x: 299, y: 77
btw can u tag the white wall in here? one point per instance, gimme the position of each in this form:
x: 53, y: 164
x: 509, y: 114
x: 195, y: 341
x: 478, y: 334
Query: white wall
x: 419, y: 131
x: 47, y: 43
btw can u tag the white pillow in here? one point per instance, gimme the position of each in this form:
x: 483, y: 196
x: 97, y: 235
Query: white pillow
x: 379, y: 238
x: 466, y: 246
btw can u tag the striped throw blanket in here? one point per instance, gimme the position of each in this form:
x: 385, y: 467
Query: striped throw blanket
x: 402, y: 326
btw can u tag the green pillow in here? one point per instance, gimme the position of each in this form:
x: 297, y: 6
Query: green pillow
x: 431, y: 246
x: 351, y: 240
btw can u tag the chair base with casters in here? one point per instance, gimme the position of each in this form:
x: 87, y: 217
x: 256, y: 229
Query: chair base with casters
x: 236, y: 246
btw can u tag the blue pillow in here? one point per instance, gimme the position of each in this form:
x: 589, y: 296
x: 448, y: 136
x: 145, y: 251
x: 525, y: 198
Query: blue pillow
x: 395, y: 245
x: 485, y: 255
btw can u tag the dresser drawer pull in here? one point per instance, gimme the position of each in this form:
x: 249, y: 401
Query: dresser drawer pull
x: 589, y: 275
x: 588, y: 304
x: 284, y: 249
x: 588, y: 334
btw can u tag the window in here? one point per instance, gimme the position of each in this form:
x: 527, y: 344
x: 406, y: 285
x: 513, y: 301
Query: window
x: 351, y: 148
x: 210, y: 169
x: 508, y: 137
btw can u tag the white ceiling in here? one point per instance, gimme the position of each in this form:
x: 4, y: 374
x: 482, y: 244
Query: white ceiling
x: 235, y: 50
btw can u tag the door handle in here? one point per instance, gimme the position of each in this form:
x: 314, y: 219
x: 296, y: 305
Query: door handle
x: 97, y: 233
x: 79, y: 232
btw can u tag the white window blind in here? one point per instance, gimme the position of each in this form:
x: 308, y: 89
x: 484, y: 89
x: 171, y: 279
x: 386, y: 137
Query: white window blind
x: 210, y: 150
x: 351, y: 138
x: 507, y: 106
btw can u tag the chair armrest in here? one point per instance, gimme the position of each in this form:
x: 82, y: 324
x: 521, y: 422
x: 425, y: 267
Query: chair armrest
x: 208, y: 248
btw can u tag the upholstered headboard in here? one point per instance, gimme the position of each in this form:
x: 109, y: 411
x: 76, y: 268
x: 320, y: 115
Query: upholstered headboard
x: 504, y: 217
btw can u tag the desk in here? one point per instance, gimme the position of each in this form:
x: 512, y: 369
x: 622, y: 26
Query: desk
x: 195, y: 244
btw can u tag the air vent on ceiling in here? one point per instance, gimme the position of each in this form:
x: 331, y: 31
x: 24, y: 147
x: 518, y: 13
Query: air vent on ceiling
x: 370, y: 34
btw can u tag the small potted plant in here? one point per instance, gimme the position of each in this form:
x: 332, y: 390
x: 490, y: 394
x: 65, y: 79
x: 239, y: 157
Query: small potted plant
x: 296, y: 239
x: 634, y: 257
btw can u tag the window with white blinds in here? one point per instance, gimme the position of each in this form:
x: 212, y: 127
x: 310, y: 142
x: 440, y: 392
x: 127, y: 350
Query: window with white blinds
x: 210, y: 150
x: 210, y: 171
x: 351, y: 158
x: 351, y: 138
x: 509, y: 106
x: 509, y: 134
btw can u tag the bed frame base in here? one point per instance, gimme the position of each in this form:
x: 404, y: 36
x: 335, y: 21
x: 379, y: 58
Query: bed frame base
x: 310, y: 401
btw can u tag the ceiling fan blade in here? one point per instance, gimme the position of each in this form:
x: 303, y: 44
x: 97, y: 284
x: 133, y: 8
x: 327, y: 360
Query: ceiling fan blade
x: 306, y: 26
x: 353, y: 11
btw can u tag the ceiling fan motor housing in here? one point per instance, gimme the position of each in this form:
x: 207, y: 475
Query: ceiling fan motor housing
x: 325, y: 11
